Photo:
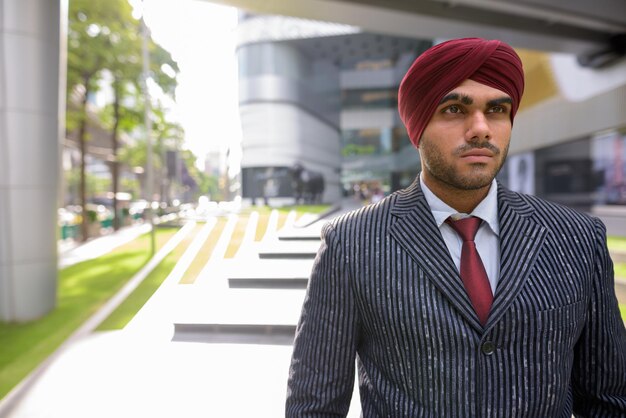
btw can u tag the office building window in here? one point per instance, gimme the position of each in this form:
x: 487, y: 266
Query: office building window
x: 359, y: 142
x: 374, y: 141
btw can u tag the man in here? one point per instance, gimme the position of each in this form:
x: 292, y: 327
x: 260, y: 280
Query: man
x: 520, y: 320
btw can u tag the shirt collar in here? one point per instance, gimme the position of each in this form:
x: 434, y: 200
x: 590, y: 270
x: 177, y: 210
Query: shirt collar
x: 487, y: 209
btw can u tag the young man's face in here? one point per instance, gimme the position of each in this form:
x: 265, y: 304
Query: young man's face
x: 466, y: 141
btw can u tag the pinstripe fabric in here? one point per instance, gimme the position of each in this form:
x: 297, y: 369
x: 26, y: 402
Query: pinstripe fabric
x: 384, y: 290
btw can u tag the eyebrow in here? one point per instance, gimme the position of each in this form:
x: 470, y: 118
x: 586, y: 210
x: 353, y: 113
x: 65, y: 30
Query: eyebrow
x: 467, y: 100
x: 457, y: 97
x: 497, y: 102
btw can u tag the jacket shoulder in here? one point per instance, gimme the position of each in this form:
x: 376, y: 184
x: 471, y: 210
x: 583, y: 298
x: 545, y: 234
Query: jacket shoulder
x: 373, y: 215
x: 552, y: 214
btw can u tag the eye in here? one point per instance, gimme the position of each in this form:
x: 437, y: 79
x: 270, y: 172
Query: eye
x: 502, y: 109
x: 452, y: 109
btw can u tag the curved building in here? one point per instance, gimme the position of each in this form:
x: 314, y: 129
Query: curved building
x: 289, y: 106
x: 324, y: 96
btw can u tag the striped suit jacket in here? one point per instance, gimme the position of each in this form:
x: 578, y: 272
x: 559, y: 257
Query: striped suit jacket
x: 384, y: 290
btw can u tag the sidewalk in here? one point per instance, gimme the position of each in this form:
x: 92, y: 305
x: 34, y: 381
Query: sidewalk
x: 72, y: 252
x: 144, y: 371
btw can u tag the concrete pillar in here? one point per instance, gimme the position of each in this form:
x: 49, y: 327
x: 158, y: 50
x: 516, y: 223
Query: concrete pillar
x: 32, y: 112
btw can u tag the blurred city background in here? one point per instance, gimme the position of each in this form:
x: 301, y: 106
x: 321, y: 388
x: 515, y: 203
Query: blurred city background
x: 166, y: 166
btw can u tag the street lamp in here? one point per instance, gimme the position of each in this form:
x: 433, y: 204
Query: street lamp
x: 148, y: 126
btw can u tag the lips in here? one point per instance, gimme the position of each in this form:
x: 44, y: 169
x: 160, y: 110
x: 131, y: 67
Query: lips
x: 478, y: 155
x: 478, y: 152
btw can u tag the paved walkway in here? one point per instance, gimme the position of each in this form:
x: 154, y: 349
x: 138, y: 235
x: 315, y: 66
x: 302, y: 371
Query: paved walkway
x: 148, y: 370
x: 72, y: 252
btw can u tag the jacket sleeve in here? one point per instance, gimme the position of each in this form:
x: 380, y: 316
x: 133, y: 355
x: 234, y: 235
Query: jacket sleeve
x: 322, y: 372
x: 599, y: 375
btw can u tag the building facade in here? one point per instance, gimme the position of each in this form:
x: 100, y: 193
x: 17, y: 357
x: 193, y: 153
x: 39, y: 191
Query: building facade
x: 322, y: 96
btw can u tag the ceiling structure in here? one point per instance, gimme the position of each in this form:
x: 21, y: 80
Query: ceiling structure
x: 593, y: 30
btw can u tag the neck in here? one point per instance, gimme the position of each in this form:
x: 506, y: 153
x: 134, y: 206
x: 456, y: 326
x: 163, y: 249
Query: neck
x: 463, y: 201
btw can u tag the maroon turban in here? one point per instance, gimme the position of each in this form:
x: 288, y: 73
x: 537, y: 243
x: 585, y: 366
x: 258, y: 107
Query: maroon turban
x: 444, y: 66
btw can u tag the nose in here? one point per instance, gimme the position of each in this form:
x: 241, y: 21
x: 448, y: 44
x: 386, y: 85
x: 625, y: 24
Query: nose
x: 478, y: 128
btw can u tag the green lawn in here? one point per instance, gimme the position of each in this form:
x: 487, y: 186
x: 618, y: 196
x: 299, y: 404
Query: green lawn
x: 299, y: 209
x: 619, y: 244
x: 82, y: 289
x: 616, y: 243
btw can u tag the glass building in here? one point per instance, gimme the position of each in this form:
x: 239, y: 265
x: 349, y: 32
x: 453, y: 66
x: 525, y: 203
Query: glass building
x: 323, y: 96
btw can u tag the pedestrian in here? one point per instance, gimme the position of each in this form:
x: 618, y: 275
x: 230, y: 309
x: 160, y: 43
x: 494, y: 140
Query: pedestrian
x: 377, y: 194
x: 520, y: 320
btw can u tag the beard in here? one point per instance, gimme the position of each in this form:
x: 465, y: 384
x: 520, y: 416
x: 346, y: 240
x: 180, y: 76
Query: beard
x: 478, y: 177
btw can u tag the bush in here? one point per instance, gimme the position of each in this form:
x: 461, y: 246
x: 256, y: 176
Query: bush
x: 92, y: 216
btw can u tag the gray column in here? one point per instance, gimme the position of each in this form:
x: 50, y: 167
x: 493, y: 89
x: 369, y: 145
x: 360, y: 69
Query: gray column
x: 32, y: 63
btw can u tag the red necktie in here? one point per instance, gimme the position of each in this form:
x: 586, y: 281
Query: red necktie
x: 473, y: 271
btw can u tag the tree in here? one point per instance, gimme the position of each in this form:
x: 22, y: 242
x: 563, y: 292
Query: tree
x: 200, y: 182
x: 169, y: 136
x: 88, y: 43
x: 104, y: 38
x: 126, y: 69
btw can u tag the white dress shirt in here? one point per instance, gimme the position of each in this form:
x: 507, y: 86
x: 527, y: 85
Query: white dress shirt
x: 487, y: 238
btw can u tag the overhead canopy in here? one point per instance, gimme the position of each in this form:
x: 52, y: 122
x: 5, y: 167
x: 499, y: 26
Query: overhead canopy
x: 595, y: 31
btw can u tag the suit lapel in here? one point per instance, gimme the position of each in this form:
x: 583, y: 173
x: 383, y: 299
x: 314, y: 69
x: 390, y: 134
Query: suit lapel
x: 521, y: 239
x: 416, y: 231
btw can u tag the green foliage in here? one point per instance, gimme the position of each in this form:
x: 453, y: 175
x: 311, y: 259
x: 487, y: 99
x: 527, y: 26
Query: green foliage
x: 98, y: 185
x: 207, y: 184
x: 92, y: 215
x: 91, y: 32
x: 105, y: 43
x: 135, y: 155
x: 105, y: 36
x: 169, y: 136
x: 130, y: 186
x: 354, y: 149
x: 95, y: 184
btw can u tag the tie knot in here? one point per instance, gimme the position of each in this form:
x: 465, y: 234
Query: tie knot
x: 466, y: 227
